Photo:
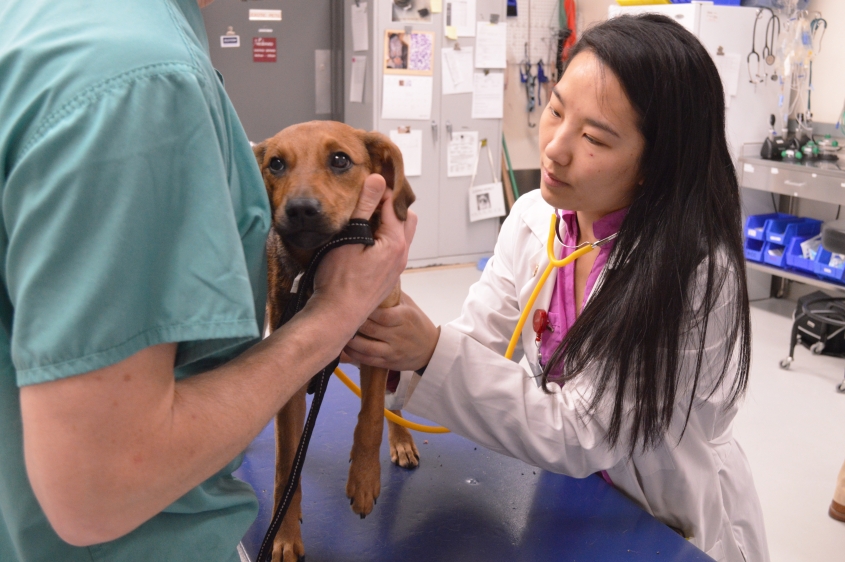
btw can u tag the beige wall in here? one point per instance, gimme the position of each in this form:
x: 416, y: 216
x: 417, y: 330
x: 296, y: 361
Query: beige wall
x: 829, y: 65
x: 521, y: 138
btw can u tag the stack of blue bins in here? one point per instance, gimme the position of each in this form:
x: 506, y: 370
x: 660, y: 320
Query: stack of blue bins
x: 775, y: 239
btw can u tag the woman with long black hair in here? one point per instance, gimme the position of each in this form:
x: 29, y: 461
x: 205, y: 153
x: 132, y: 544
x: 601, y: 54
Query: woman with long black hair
x: 642, y: 348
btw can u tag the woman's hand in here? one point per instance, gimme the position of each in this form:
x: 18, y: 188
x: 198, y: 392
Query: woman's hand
x: 402, y: 338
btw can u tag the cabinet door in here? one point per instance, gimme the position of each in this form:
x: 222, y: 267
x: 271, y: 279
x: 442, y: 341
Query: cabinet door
x: 458, y: 236
x: 269, y: 96
x: 428, y: 205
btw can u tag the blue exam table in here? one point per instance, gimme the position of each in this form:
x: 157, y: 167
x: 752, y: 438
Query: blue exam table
x: 462, y: 504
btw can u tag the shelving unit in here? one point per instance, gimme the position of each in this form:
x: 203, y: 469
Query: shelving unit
x: 820, y: 181
x: 794, y: 276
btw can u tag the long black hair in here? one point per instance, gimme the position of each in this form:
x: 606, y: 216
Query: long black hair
x: 679, y: 249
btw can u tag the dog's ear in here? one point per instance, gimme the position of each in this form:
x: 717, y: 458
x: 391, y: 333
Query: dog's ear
x: 259, y: 150
x: 386, y: 159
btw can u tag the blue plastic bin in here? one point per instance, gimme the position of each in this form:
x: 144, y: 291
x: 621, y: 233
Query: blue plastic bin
x: 755, y: 225
x: 774, y: 254
x: 781, y: 231
x: 754, y: 249
x: 795, y: 256
x: 822, y: 266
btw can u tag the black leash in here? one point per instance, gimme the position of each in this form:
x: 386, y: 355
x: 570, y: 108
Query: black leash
x: 356, y: 232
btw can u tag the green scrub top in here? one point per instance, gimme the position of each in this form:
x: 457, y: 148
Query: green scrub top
x: 133, y: 214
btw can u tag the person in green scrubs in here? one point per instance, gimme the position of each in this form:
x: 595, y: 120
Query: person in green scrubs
x: 134, y: 217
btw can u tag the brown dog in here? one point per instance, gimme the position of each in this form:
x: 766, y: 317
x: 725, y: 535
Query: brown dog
x: 314, y: 173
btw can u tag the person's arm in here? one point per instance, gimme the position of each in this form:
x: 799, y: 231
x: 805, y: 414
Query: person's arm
x: 107, y: 450
x: 480, y: 395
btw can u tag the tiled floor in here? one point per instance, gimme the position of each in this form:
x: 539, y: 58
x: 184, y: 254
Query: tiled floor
x: 792, y: 425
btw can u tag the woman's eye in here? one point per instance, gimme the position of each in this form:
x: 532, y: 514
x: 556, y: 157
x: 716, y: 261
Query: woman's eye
x: 592, y: 140
x: 277, y: 164
x: 554, y: 113
x: 340, y: 161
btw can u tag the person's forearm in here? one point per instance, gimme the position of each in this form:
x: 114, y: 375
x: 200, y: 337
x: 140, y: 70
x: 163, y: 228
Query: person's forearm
x: 182, y: 436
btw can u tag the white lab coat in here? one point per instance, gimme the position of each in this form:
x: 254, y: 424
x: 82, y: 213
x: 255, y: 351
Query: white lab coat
x: 701, y: 486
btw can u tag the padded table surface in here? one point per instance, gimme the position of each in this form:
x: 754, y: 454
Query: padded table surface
x: 463, y: 503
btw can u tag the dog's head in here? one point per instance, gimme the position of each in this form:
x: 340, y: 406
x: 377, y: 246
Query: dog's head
x: 314, y: 173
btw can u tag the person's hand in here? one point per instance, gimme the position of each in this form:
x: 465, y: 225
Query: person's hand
x: 402, y: 338
x: 355, y: 279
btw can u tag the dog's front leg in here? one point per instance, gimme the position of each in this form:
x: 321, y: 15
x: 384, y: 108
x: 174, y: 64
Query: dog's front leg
x: 287, y: 545
x: 403, y: 450
x: 364, y: 484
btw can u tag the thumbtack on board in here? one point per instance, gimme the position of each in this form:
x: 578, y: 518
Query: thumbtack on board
x: 483, y: 143
x: 494, y: 18
x: 409, y: 30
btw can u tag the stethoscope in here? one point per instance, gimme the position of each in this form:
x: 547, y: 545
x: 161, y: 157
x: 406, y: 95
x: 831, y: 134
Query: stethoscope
x: 580, y: 250
x: 768, y: 53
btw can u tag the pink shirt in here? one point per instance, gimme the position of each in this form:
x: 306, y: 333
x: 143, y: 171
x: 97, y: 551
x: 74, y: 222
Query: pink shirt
x: 562, y: 306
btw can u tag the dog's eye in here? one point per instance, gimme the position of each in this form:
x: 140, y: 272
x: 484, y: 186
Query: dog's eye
x: 340, y: 161
x: 277, y: 164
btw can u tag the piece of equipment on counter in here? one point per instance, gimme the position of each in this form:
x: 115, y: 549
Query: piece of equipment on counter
x: 829, y: 148
x: 819, y: 319
x: 791, y: 155
x: 774, y: 145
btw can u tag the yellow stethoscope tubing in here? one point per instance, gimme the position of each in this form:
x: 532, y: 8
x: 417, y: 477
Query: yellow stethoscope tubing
x: 387, y: 413
x: 584, y: 248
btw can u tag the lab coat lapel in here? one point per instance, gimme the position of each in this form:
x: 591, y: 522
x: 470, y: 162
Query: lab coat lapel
x: 536, y: 261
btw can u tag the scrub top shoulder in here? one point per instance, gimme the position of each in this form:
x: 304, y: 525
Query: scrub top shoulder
x: 133, y: 214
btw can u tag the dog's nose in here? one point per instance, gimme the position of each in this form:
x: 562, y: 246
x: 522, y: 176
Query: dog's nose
x: 303, y: 210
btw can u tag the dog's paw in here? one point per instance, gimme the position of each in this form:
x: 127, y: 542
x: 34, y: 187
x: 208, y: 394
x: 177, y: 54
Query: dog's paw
x: 363, y: 487
x: 405, y: 454
x: 288, y: 550
x: 403, y: 450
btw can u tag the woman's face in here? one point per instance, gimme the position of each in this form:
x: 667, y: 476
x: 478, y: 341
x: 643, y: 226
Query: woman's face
x: 590, y: 145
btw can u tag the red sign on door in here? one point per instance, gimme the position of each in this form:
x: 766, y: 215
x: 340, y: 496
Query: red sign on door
x: 263, y: 49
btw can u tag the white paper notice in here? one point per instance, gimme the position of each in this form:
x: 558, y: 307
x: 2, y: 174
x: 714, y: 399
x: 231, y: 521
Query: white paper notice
x: 486, y: 201
x: 457, y: 71
x: 265, y: 15
x: 491, y: 45
x: 360, y: 28
x: 728, y: 66
x: 406, y: 97
x: 359, y: 70
x: 322, y: 81
x: 410, y: 145
x: 488, y: 95
x: 462, y: 154
x: 460, y: 14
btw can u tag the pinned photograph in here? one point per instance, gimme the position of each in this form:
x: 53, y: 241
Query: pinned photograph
x: 409, y: 53
x: 486, y: 201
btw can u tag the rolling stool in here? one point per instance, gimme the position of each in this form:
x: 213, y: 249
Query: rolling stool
x: 819, y: 319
